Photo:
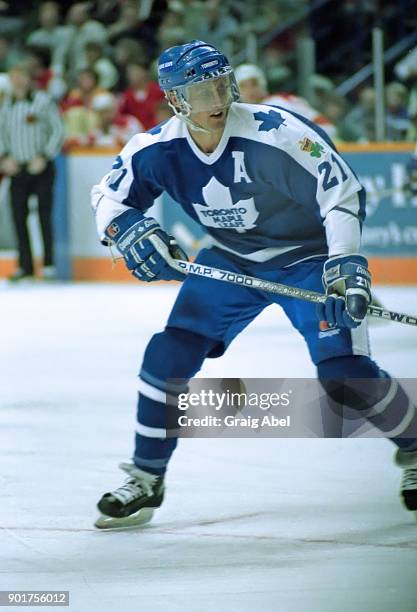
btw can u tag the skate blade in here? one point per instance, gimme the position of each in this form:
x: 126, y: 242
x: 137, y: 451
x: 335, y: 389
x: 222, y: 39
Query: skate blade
x: 139, y: 518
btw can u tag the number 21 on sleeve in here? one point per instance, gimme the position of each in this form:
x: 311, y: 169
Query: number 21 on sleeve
x: 326, y: 168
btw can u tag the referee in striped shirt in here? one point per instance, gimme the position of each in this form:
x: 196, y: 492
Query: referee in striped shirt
x: 31, y: 135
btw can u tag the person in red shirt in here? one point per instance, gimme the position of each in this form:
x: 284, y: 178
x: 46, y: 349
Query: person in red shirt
x: 143, y: 96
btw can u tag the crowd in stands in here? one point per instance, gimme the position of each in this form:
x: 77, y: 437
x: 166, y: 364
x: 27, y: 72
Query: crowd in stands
x: 97, y: 61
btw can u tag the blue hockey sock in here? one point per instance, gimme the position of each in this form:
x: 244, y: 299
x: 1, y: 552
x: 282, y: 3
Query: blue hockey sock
x: 172, y: 354
x: 357, y: 382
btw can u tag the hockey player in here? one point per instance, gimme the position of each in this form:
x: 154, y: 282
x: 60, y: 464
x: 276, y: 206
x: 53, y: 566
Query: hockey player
x: 281, y: 204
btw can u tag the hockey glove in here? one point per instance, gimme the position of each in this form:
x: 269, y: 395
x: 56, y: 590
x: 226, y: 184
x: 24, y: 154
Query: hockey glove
x: 131, y: 232
x: 347, y: 282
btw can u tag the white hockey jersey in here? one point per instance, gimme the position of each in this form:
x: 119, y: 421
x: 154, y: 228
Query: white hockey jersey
x: 274, y: 190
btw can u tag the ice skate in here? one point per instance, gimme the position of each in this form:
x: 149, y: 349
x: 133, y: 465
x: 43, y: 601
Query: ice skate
x: 408, y: 461
x: 132, y: 504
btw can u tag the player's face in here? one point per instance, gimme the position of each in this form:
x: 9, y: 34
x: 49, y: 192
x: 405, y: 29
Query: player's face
x: 210, y: 101
x: 210, y: 96
x: 214, y: 122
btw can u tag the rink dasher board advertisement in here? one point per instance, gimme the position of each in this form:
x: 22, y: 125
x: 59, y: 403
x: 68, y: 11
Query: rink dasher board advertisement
x: 389, y: 233
x: 391, y: 218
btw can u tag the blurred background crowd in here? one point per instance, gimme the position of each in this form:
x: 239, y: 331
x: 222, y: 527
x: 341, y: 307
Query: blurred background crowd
x: 97, y: 60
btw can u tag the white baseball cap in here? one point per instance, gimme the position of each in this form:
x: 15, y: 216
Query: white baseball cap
x: 102, y: 101
x: 250, y: 71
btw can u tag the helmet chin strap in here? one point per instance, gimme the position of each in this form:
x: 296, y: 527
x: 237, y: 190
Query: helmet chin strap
x: 194, y: 126
x: 186, y: 118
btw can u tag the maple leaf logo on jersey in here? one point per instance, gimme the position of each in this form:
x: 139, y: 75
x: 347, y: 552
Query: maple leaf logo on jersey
x: 220, y: 212
x: 270, y: 121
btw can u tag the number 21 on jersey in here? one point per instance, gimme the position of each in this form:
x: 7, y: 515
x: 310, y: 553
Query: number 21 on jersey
x: 331, y: 179
x: 117, y: 174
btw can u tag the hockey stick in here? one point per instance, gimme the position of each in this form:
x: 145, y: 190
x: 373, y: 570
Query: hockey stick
x: 264, y: 285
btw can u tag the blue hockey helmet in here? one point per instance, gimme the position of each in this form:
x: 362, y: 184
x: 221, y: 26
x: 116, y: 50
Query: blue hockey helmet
x: 183, y: 72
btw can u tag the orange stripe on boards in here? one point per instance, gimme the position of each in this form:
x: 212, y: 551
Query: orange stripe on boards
x: 375, y: 147
x: 393, y: 271
x: 95, y: 151
x: 385, y: 271
x: 102, y: 269
x: 7, y: 267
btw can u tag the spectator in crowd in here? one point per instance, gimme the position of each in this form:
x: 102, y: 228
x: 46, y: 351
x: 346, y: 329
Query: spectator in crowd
x: 335, y: 108
x: 87, y: 86
x: 12, y: 16
x: 320, y: 89
x: 267, y: 15
x: 131, y: 24
x: 105, y: 69
x: 274, y: 67
x: 213, y: 22
x: 397, y: 120
x: 8, y: 55
x: 79, y: 117
x: 37, y: 60
x: 51, y: 34
x: 43, y: 74
x: 31, y: 135
x: 79, y: 123
x: 142, y: 96
x: 106, y: 11
x: 253, y: 89
x: 82, y: 30
x: 363, y: 115
x: 112, y: 129
x: 171, y: 31
x: 125, y: 51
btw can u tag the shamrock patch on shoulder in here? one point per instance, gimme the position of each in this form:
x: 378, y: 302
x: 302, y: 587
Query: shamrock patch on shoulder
x: 310, y: 146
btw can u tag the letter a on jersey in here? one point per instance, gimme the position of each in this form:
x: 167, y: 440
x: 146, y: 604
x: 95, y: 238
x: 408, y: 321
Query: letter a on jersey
x: 240, y: 170
x: 221, y: 213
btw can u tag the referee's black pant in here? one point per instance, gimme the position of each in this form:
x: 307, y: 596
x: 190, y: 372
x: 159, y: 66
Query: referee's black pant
x: 23, y: 185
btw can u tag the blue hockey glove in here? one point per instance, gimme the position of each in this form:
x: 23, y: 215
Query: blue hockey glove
x: 347, y: 282
x: 134, y: 235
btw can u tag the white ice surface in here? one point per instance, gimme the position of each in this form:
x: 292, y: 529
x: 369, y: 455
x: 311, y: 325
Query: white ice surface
x: 247, y: 525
